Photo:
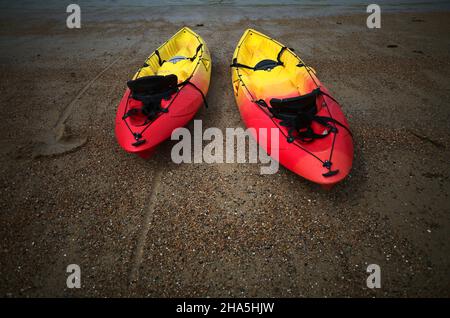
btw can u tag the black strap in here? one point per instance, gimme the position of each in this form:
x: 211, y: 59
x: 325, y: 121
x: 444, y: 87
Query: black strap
x: 131, y: 112
x: 196, y: 52
x: 151, y: 104
x: 256, y: 68
x: 324, y: 120
x: 300, y: 126
x: 236, y: 64
x: 160, y: 61
x: 262, y: 102
x: 279, y: 55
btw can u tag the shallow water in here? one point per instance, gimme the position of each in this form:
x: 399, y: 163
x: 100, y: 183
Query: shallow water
x: 201, y: 11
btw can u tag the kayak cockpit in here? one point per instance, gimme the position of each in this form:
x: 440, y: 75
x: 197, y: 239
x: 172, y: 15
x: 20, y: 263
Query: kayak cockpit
x: 178, y: 56
x: 264, y: 63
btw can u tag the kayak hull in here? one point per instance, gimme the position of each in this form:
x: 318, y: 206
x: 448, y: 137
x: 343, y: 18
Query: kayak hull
x: 303, y: 158
x: 179, y: 109
x: 296, y: 159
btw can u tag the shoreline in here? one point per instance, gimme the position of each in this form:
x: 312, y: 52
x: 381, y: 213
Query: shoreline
x: 217, y: 13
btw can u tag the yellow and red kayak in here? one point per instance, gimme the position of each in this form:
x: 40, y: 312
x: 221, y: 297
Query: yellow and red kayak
x: 164, y: 94
x: 274, y: 88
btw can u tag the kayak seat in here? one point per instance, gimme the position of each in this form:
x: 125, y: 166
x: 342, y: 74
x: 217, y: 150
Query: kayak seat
x: 151, y: 85
x: 149, y: 91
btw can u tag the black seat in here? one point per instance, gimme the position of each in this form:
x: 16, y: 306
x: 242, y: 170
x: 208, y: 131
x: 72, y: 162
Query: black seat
x: 151, y: 85
x: 151, y: 90
x: 298, y: 113
x: 303, y: 103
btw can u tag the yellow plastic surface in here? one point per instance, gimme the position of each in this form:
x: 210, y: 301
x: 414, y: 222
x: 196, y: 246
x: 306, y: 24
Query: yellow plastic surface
x: 183, y: 44
x: 281, y: 81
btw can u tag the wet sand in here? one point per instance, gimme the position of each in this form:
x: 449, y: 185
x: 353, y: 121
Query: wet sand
x: 157, y: 229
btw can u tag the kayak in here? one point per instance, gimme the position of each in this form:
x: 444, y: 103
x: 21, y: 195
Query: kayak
x: 275, y: 89
x: 164, y: 94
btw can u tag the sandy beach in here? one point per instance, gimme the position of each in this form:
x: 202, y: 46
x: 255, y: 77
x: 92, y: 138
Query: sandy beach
x: 153, y: 228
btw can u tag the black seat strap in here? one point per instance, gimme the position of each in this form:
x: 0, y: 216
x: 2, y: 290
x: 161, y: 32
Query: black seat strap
x: 160, y: 61
x: 151, y: 104
x: 236, y: 64
x: 196, y: 52
x: 262, y: 65
x: 279, y: 55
